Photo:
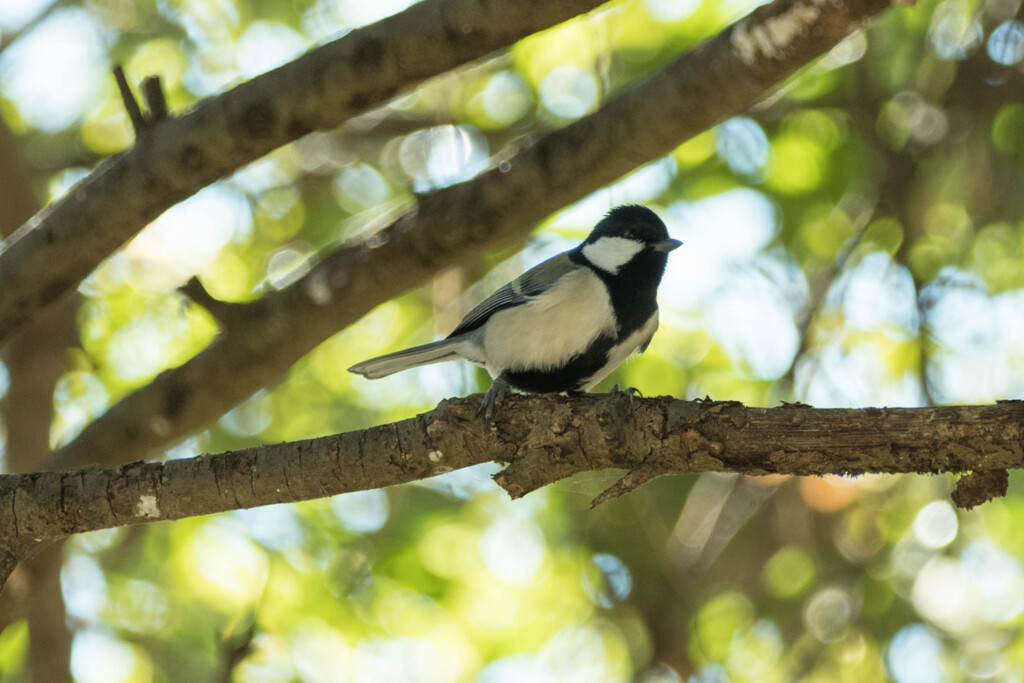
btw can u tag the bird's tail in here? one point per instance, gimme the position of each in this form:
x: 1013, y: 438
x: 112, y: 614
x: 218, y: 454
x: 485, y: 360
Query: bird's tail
x: 435, y: 352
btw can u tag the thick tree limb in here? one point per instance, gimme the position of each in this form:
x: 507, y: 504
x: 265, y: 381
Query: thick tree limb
x: 53, y: 251
x: 711, y: 83
x: 543, y: 438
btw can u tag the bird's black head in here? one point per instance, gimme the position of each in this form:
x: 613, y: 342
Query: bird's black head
x: 629, y: 233
x: 630, y: 221
x: 628, y: 250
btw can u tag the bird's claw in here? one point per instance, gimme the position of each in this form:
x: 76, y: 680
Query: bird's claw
x: 629, y: 392
x: 493, y: 398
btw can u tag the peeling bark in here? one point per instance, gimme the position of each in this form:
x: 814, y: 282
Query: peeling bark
x: 977, y: 488
x: 542, y: 439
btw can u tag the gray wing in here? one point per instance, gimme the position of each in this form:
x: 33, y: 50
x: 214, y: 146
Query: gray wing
x: 530, y: 284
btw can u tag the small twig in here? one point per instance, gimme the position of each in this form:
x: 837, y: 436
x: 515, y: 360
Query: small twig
x: 239, y: 646
x: 829, y: 278
x: 819, y: 289
x: 221, y: 310
x: 130, y: 103
x: 627, y: 483
x: 156, y: 101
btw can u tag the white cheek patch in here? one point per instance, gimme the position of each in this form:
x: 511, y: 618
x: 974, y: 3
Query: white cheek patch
x: 611, y: 253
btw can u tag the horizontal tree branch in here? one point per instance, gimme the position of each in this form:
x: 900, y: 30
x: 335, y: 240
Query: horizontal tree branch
x: 714, y: 81
x: 542, y: 438
x: 57, y: 248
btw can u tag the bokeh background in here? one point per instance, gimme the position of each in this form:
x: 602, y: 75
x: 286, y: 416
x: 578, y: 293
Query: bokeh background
x: 855, y: 239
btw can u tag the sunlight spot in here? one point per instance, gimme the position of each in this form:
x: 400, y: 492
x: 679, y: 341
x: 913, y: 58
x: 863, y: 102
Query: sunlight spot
x: 266, y: 45
x: 936, y: 525
x: 79, y: 398
x: 100, y: 658
x: 321, y: 653
x: 671, y: 10
x: 14, y: 15
x: 997, y: 577
x: 915, y: 656
x: 287, y: 264
x: 441, y: 156
x: 513, y: 550
x: 273, y: 526
x: 942, y: 594
x: 251, y: 416
x: 743, y: 145
x: 581, y: 654
x: 954, y: 32
x: 828, y: 614
x: 85, y: 588
x: 139, y: 350
x: 53, y: 74
x: 1006, y: 44
x: 189, y: 237
x: 612, y: 584
x: 569, y: 91
x: 506, y: 98
x: 5, y: 379
x: 362, y: 512
x: 378, y: 659
x: 359, y: 187
x: 515, y: 669
x: 224, y: 568
x: 359, y: 12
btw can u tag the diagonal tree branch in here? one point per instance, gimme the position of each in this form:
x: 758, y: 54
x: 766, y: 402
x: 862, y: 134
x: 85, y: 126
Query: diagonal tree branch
x: 543, y: 438
x: 53, y: 251
x: 264, y: 338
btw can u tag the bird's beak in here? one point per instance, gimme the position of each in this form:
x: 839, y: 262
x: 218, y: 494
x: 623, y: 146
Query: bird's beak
x: 666, y: 245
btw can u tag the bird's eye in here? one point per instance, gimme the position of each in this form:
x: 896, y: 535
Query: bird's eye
x: 630, y: 234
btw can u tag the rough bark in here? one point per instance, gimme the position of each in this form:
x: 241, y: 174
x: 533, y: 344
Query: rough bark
x: 177, y: 157
x: 542, y: 438
x: 260, y: 341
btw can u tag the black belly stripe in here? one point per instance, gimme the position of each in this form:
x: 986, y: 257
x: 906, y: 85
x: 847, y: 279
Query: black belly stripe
x: 569, y: 377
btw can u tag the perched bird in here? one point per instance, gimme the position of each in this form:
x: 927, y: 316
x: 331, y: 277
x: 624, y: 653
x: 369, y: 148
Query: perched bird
x: 565, y: 324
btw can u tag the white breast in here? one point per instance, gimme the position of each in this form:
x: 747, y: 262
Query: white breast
x: 621, y: 351
x: 547, y: 331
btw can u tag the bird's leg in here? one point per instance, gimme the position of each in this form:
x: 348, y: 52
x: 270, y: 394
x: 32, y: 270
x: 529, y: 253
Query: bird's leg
x: 494, y: 396
x: 629, y: 392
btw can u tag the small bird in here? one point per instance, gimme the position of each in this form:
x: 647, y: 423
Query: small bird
x: 566, y: 323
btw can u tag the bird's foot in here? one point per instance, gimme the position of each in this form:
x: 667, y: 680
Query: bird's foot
x: 493, y: 398
x: 627, y: 392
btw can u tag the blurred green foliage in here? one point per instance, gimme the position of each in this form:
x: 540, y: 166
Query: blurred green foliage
x: 854, y: 239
